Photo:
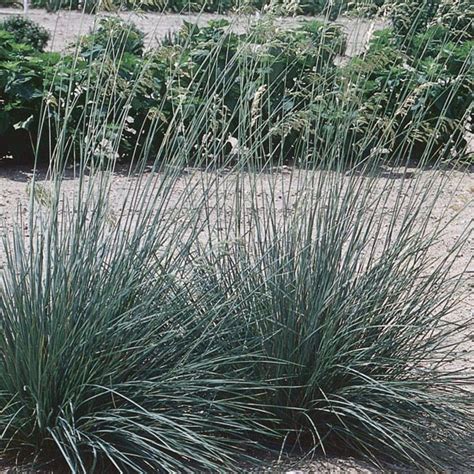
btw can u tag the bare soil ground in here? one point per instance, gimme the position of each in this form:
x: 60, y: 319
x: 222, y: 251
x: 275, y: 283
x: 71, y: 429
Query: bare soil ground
x: 66, y: 26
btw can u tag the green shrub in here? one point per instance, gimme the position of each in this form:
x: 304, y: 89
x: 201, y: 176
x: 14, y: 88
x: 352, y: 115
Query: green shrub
x: 26, y: 31
x: 22, y: 81
x: 277, y: 74
x: 176, y: 80
x: 457, y: 16
x: 412, y: 18
x: 433, y: 85
x: 113, y: 36
x: 36, y: 85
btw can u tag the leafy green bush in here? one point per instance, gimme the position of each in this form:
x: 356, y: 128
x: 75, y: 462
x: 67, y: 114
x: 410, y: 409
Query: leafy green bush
x: 457, y: 16
x: 113, y: 36
x: 273, y: 75
x: 26, y: 31
x: 432, y: 81
x: 38, y: 85
x: 410, y: 17
x: 22, y: 80
x: 421, y: 67
x: 436, y: 21
x: 177, y: 78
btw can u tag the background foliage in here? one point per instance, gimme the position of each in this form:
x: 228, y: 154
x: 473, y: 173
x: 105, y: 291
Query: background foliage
x: 427, y: 73
x: 26, y: 31
x: 332, y: 8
